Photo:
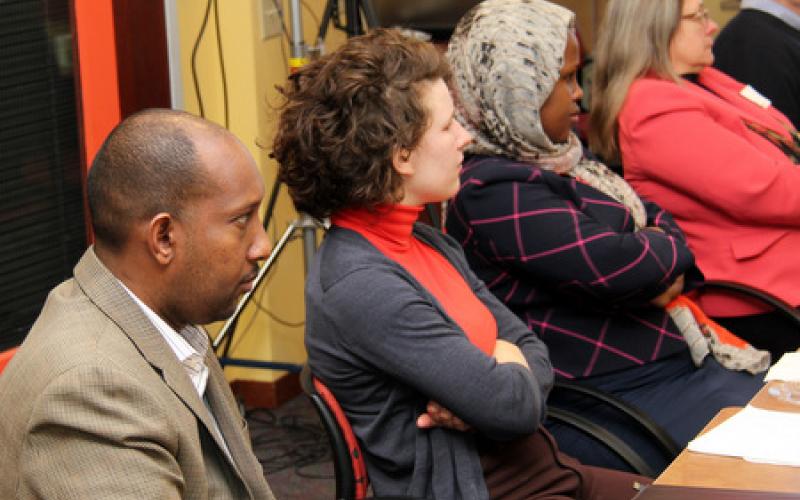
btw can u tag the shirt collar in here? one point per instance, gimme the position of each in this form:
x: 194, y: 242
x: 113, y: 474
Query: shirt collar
x: 192, y: 360
x: 774, y: 8
x: 392, y: 225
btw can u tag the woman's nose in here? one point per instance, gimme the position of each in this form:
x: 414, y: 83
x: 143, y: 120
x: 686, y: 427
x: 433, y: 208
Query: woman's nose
x: 466, y: 137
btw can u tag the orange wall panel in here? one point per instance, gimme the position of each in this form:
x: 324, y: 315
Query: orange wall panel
x: 98, y: 84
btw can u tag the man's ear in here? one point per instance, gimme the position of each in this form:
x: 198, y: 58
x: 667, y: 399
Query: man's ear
x: 401, y: 161
x: 161, y: 238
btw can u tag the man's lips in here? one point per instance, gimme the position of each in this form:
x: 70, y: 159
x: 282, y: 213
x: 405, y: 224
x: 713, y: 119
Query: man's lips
x: 248, y: 280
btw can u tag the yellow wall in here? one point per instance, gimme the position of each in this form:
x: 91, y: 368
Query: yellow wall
x: 253, y: 67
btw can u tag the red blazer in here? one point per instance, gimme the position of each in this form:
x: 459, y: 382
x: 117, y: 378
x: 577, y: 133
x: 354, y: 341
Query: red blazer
x: 735, y: 195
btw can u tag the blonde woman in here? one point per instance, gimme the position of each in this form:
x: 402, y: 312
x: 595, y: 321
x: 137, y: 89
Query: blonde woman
x: 708, y: 149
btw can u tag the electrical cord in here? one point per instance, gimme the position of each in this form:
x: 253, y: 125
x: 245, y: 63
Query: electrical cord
x: 197, y: 41
x: 288, y: 441
x: 223, y: 74
x: 271, y: 314
x: 278, y: 320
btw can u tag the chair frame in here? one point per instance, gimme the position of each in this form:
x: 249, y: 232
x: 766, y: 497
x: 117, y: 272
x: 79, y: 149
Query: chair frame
x: 346, y: 453
x: 647, y: 425
x: 786, y: 310
x: 748, y: 291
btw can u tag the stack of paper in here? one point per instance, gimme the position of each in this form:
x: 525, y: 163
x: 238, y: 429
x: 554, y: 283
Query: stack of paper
x: 756, y: 435
x: 787, y: 368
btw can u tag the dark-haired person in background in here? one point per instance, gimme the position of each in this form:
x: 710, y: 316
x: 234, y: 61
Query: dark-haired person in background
x: 115, y: 393
x: 761, y: 46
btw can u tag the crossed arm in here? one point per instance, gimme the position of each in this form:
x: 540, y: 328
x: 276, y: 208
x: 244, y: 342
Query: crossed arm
x: 437, y: 415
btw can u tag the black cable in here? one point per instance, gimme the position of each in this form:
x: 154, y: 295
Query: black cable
x: 288, y: 441
x: 197, y: 41
x: 330, y: 12
x: 222, y: 65
x: 259, y: 307
x: 278, y: 320
x: 276, y: 186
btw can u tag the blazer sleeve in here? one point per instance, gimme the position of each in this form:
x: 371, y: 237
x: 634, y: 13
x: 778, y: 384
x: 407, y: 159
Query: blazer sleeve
x: 551, y: 239
x: 709, y: 163
x: 660, y: 218
x: 509, y: 327
x: 389, y: 323
x: 98, y: 433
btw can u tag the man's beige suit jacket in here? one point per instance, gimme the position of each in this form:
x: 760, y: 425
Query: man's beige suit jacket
x: 95, y: 405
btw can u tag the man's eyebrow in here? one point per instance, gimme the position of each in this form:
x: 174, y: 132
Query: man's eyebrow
x: 246, y: 207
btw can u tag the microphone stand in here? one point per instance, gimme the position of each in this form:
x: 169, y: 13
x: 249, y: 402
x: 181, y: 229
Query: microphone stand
x: 354, y: 10
x: 353, y: 26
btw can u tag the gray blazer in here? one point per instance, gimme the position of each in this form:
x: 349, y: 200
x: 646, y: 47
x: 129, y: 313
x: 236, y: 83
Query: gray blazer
x: 96, y: 405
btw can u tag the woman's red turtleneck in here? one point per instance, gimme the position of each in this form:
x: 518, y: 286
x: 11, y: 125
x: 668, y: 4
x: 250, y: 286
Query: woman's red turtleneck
x: 389, y: 229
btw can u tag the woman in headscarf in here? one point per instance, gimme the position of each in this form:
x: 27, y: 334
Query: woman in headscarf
x: 563, y: 241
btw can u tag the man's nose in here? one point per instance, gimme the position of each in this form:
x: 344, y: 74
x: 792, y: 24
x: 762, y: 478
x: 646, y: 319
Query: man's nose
x: 262, y: 246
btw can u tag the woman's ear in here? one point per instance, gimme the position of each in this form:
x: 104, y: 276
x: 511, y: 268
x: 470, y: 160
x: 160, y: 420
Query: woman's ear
x: 161, y: 238
x: 401, y: 161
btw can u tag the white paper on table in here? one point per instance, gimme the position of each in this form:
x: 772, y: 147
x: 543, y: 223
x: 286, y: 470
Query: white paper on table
x: 787, y: 368
x: 756, y: 435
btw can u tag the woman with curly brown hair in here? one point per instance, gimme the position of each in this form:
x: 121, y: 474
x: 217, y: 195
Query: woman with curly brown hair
x: 444, y: 387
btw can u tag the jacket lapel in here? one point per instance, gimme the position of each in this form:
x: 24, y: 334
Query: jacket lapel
x: 231, y: 427
x: 103, y: 289
x: 728, y: 89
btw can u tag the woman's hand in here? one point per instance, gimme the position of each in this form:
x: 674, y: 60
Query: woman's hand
x: 668, y: 296
x: 437, y: 415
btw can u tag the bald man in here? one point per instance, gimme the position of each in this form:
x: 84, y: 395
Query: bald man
x: 115, y: 392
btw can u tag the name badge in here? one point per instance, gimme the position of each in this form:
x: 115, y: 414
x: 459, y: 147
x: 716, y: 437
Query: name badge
x: 755, y: 97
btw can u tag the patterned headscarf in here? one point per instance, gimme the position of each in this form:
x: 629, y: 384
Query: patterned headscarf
x: 506, y: 57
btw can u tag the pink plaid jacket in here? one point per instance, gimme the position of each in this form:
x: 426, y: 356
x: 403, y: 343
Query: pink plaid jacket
x: 565, y: 258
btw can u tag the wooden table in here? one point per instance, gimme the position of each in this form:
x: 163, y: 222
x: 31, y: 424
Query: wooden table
x: 712, y: 471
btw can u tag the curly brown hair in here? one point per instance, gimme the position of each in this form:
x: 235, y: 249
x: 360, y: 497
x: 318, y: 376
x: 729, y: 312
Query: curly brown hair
x: 347, y: 113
